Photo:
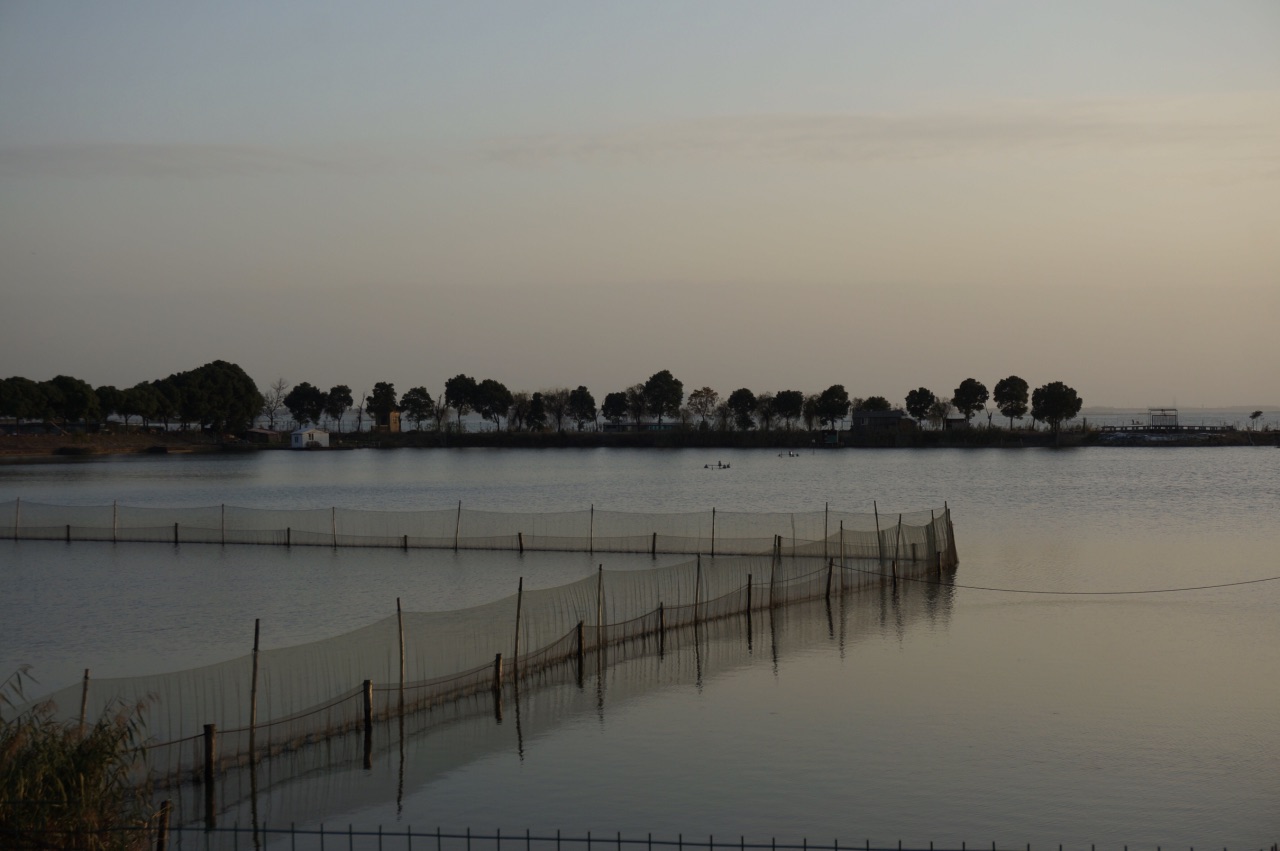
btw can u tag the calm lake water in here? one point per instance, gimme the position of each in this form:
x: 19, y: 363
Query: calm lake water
x: 975, y: 713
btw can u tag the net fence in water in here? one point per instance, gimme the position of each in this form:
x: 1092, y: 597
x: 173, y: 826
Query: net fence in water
x: 710, y: 532
x: 277, y: 700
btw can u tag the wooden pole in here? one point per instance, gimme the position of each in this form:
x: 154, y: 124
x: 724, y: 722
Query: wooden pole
x: 210, y: 757
x: 897, y: 540
x: 162, y: 827
x: 68, y: 533
x: 333, y: 522
x: 406, y: 543
x: 600, y: 607
x: 831, y: 564
x: 843, y: 572
x: 697, y: 592
x: 497, y: 673
x: 175, y: 534
x: 400, y: 624
x: 748, y: 594
x: 713, y: 531
x: 253, y: 689
x: 457, y: 527
x: 879, y: 541
x: 115, y: 521
x: 520, y: 541
x: 17, y: 517
x: 366, y: 689
x: 288, y: 536
x: 591, y: 530
x: 84, y: 699
x: 653, y: 546
x: 773, y: 567
x: 581, y: 650
x: 223, y: 524
x: 662, y: 629
x: 515, y: 658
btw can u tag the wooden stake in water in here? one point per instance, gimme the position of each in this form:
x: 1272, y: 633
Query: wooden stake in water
x: 457, y: 527
x: 84, y: 699
x: 400, y: 624
x: 879, y: 540
x: 515, y: 658
x: 253, y: 690
x: 713, y: 531
x: 599, y: 606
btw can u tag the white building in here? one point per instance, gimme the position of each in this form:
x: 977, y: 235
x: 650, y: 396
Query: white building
x: 309, y: 438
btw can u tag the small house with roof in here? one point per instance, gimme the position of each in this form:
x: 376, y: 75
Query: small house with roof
x: 309, y: 438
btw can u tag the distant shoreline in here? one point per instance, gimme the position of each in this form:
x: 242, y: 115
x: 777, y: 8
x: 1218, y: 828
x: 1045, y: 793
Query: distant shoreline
x: 73, y: 447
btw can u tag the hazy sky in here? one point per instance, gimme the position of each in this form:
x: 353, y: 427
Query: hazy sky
x: 783, y: 195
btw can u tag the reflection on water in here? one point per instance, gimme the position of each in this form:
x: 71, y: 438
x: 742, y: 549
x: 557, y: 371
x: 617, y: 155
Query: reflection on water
x: 405, y: 757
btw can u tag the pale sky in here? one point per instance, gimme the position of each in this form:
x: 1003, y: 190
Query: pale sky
x: 777, y: 196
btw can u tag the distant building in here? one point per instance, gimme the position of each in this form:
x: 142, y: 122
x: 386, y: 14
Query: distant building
x: 1162, y: 418
x: 389, y: 423
x: 262, y: 435
x: 309, y: 438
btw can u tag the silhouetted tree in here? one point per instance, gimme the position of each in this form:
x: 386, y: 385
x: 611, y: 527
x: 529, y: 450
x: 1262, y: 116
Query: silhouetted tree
x: 663, y: 393
x: 614, y: 408
x: 1011, y: 397
x: 381, y: 402
x: 969, y: 397
x: 22, y: 399
x: 809, y: 411
x: 919, y: 402
x: 1054, y: 403
x: 789, y: 405
x: 336, y: 404
x: 110, y: 400
x: 582, y: 406
x: 766, y: 410
x: 536, y: 419
x: 873, y: 403
x: 492, y: 400
x: 702, y: 402
x: 742, y: 404
x: 518, y: 412
x: 417, y: 405
x: 833, y: 404
x: 305, y: 403
x: 459, y: 394
x: 71, y: 399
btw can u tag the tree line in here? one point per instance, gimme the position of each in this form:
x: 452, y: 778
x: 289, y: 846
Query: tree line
x: 659, y: 399
x: 220, y: 396
x: 217, y: 396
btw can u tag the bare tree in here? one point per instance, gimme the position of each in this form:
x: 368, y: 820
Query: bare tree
x: 273, y: 400
x: 556, y: 402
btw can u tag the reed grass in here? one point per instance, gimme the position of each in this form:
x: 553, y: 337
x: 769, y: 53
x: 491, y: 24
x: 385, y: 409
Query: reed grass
x: 68, y: 785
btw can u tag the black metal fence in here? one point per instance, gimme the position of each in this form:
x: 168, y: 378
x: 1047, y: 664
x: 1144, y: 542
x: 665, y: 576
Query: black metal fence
x: 162, y: 837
